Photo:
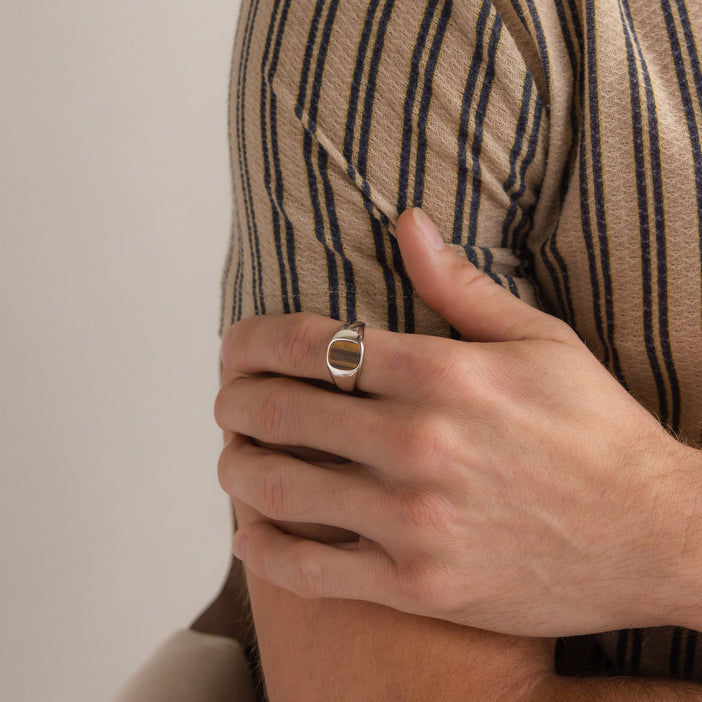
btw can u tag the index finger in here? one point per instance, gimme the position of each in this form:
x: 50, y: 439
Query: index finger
x: 295, y: 345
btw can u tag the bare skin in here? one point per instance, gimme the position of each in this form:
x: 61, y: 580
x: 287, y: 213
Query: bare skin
x: 491, y: 483
x: 320, y: 649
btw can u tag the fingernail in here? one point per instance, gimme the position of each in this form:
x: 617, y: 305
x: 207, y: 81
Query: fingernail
x: 239, y: 545
x: 428, y: 228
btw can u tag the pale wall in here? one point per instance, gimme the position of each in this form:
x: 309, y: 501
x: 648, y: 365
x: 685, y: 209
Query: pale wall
x: 114, y: 218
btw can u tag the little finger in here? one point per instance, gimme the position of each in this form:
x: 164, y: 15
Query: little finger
x: 310, y: 569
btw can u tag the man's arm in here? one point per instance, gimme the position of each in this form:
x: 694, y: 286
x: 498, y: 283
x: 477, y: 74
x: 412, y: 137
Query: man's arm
x: 615, y: 690
x: 320, y: 650
x: 324, y: 649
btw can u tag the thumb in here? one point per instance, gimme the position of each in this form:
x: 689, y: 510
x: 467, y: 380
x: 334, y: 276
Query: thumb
x: 476, y: 306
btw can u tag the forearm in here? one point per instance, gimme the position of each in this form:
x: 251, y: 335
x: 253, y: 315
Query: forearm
x: 319, y: 650
x: 558, y: 689
x: 681, y: 486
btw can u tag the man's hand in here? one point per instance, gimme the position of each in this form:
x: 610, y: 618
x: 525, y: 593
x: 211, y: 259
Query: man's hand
x: 509, y: 483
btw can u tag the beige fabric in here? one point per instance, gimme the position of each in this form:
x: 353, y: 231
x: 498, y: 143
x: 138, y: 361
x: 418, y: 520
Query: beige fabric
x: 192, y: 667
x: 345, y: 113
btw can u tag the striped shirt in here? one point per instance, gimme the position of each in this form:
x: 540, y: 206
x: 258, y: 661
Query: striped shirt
x: 557, y: 145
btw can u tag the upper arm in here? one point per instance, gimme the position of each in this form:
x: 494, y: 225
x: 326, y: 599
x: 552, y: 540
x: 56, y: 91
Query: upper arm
x: 342, y: 118
x: 343, y: 114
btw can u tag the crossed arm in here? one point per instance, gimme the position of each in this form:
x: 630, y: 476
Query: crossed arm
x: 320, y: 649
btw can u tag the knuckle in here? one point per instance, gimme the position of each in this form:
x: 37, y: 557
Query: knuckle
x: 426, y: 514
x: 428, y: 586
x: 475, y: 282
x: 307, y: 575
x: 427, y: 444
x: 558, y: 330
x: 453, y: 369
x: 417, y: 582
x: 274, y: 410
x: 297, y: 344
x: 272, y: 497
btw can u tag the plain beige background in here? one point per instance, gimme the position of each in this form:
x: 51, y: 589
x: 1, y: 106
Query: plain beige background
x: 114, y: 185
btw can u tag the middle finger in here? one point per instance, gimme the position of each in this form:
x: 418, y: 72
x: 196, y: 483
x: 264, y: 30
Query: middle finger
x: 289, y: 412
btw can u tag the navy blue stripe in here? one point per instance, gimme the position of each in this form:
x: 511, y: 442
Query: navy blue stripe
x: 520, y: 13
x: 693, y: 131
x: 577, y: 23
x: 690, y: 651
x: 553, y: 260
x: 477, y: 145
x: 607, y: 337
x: 267, y: 75
x: 238, y: 295
x: 515, y: 152
x: 541, y: 43
x: 409, y: 325
x: 641, y: 170
x: 533, y: 144
x: 568, y: 309
x: 238, y: 279
x: 379, y: 232
x: 322, y: 162
x: 659, y: 213
x: 408, y: 107
x: 697, y: 75
x: 279, y: 189
x: 567, y: 39
x: 523, y: 226
x: 321, y: 62
x: 636, y: 649
x: 310, y: 145
x: 235, y: 229
x: 694, y: 134
x: 587, y: 234
x: 691, y: 49
x: 335, y: 229
x: 353, y: 103
x: 254, y: 248
x: 622, y: 645
x: 462, y: 142
x: 307, y: 61
x: 674, y: 654
x: 425, y: 103
x: 356, y: 80
x: 407, y: 132
x: 371, y: 85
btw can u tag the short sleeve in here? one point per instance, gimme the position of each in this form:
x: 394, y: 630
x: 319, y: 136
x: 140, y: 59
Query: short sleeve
x: 344, y: 114
x: 192, y: 667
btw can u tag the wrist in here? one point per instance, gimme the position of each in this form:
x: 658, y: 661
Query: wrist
x: 677, y: 576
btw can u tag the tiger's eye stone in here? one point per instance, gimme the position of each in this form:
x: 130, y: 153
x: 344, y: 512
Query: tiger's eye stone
x: 344, y: 355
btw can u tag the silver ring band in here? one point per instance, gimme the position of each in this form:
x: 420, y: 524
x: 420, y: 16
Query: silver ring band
x: 345, y: 355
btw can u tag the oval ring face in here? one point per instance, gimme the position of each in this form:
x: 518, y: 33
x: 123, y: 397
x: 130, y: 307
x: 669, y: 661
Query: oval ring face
x: 344, y: 355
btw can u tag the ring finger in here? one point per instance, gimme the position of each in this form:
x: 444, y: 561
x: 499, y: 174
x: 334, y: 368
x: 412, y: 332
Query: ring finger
x: 289, y: 412
x: 295, y: 345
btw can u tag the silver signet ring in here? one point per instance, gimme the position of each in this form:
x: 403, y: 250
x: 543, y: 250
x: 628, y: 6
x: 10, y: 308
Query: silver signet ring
x: 345, y: 355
